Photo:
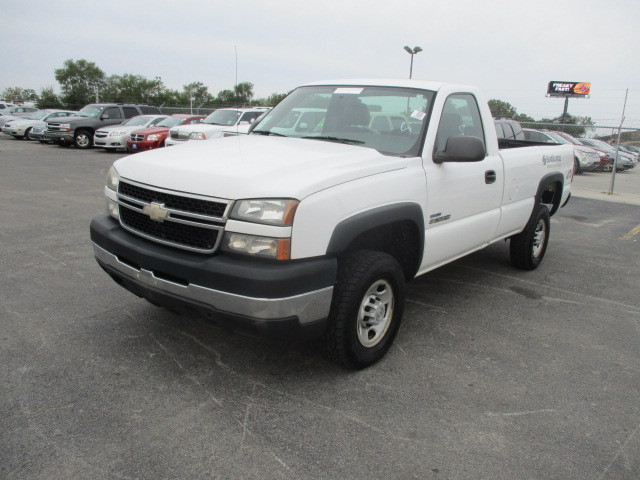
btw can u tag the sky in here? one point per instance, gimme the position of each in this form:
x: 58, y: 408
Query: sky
x: 510, y: 49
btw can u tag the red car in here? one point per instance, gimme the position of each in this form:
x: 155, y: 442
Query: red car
x: 154, y: 137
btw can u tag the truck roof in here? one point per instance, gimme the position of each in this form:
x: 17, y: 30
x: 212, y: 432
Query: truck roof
x: 389, y: 82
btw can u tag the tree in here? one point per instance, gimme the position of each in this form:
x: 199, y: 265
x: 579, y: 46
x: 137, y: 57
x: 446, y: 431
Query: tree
x: 81, y: 82
x: 523, y: 118
x: 501, y: 109
x: 241, y: 94
x: 48, y: 99
x: 18, y: 94
x: 271, y: 101
x: 194, y: 93
x: 129, y: 88
x: 579, y: 125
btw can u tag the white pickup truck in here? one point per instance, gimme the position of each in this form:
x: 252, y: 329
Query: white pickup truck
x: 316, y: 230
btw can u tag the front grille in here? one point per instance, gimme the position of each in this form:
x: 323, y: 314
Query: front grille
x: 170, y: 232
x: 191, y: 223
x: 136, y: 137
x: 175, y: 202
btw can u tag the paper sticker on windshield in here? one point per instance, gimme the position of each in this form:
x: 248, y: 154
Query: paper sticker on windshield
x: 418, y: 115
x: 349, y: 91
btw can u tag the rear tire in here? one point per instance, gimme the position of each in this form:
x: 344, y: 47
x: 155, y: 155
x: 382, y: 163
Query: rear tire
x: 527, y: 249
x: 83, y: 139
x: 366, y: 310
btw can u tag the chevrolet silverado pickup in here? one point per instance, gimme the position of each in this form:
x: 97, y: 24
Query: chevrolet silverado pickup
x: 315, y: 229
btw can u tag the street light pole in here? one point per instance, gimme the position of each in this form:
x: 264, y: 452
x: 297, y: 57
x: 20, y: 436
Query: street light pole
x: 412, y: 52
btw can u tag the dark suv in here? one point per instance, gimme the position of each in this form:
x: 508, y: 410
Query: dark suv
x: 79, y: 129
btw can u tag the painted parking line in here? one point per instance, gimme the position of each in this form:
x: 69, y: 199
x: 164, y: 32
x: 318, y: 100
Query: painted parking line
x: 631, y: 233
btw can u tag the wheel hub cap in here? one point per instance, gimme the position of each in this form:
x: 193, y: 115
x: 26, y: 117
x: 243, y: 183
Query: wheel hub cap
x: 375, y: 313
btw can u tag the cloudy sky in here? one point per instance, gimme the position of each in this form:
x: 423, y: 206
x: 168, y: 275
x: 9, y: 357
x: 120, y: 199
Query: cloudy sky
x: 511, y: 49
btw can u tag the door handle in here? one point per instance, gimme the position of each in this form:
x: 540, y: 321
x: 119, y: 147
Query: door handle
x: 490, y: 176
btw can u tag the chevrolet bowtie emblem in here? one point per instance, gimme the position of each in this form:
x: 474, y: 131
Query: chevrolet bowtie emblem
x: 156, y: 211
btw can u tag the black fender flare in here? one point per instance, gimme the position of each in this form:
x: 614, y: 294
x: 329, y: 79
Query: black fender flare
x: 555, y: 177
x: 350, y: 228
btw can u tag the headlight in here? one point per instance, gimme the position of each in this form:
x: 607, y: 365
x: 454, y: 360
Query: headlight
x: 154, y: 137
x: 197, y: 136
x: 65, y: 126
x: 117, y: 133
x: 113, y: 179
x: 268, y: 211
x: 580, y: 153
x: 602, y: 154
x: 276, y: 248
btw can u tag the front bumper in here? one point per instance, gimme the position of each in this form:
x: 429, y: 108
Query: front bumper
x: 142, y: 145
x: 111, y: 142
x: 59, y: 137
x: 265, y: 298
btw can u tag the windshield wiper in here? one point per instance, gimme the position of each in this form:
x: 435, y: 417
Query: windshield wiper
x: 338, y: 139
x: 267, y: 132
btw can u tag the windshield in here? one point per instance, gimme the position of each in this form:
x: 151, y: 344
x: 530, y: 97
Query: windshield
x: 139, y: 121
x: 222, y: 117
x: 37, y: 115
x: 90, y: 111
x: 558, y: 138
x: 387, y: 119
x: 170, y: 122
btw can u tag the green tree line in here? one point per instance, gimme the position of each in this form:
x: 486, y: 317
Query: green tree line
x: 83, y: 82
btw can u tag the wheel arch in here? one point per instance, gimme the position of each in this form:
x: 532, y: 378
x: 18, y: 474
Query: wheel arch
x: 550, y: 191
x: 396, y: 229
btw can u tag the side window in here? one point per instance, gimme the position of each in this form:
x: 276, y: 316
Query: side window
x: 499, y: 131
x: 130, y: 112
x: 460, y: 116
x: 113, y: 112
x: 250, y: 116
x: 156, y: 121
x: 194, y: 121
x: 146, y: 109
x: 508, y: 131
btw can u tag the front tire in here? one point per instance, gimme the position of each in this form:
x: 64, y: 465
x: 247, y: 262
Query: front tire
x: 83, y: 139
x: 527, y: 248
x: 366, y: 310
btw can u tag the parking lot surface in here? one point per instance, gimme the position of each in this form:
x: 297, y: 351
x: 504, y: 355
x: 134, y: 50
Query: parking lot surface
x: 495, y: 374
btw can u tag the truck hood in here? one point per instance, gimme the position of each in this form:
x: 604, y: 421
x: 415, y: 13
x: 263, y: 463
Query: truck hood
x: 71, y: 119
x: 255, y: 166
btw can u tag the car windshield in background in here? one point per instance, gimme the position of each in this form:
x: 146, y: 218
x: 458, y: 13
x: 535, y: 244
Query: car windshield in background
x: 558, y: 138
x: 138, y: 121
x: 170, y: 122
x: 388, y: 119
x: 222, y: 117
x: 37, y: 115
x: 90, y: 111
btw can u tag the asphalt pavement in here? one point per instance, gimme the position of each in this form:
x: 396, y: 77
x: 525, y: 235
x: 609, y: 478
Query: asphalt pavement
x: 496, y: 373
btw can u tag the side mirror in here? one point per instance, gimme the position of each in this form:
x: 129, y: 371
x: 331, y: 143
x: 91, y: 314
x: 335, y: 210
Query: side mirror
x: 104, y: 116
x: 461, y: 149
x: 244, y: 122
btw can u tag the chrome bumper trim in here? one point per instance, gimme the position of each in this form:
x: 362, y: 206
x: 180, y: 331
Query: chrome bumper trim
x: 308, y: 307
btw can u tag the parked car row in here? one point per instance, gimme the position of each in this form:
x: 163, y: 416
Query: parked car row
x: 134, y: 128
x: 129, y: 127
x: 589, y: 154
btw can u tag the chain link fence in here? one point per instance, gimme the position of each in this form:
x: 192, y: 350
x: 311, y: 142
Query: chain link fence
x: 595, y: 176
